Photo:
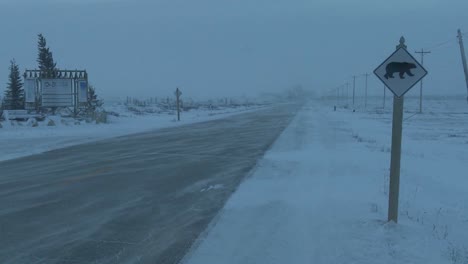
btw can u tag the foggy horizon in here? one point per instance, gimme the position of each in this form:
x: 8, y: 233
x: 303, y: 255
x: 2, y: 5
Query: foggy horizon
x: 217, y: 49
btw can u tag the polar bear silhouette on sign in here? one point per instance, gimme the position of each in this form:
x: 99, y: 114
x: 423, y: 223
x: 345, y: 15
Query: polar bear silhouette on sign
x: 400, y: 67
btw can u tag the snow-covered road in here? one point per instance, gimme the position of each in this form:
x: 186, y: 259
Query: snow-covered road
x: 140, y: 198
x: 320, y: 196
x: 20, y: 140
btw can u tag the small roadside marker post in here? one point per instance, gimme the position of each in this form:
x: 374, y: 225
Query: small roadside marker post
x: 409, y: 73
x: 365, y: 100
x: 178, y: 93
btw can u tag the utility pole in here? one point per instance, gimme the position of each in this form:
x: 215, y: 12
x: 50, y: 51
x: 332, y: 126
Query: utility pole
x: 343, y: 95
x: 422, y: 52
x: 178, y: 93
x: 365, y: 100
x: 462, y: 50
x: 384, y: 93
x: 338, y: 96
x: 395, y: 160
x: 347, y: 93
x: 354, y: 88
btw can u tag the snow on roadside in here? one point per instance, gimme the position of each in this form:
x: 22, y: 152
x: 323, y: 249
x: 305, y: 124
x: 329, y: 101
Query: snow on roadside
x: 320, y: 195
x: 21, y: 140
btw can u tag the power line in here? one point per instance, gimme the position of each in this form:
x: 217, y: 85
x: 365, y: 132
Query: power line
x: 442, y: 44
x: 454, y: 39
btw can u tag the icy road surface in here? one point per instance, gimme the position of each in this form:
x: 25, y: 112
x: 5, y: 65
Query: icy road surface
x: 143, y: 198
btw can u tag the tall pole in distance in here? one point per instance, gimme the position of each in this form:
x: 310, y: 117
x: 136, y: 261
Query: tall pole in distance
x: 462, y: 50
x: 422, y: 52
x: 337, y: 96
x: 384, y: 95
x: 397, y: 127
x: 343, y: 95
x: 347, y: 93
x: 365, y: 100
x: 354, y: 88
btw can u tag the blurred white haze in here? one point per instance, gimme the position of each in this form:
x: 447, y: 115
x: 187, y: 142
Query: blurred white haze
x: 214, y: 48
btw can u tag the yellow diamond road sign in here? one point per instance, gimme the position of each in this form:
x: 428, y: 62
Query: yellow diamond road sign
x: 400, y: 72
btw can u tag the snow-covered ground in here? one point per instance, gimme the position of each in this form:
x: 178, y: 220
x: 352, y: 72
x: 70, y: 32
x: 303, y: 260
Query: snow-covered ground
x: 320, y: 194
x: 22, y: 140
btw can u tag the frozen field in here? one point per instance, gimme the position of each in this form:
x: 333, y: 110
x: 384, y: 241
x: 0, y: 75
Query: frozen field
x: 320, y: 194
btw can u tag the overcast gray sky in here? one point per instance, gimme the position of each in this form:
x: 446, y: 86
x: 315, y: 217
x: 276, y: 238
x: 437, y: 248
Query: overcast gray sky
x: 236, y: 47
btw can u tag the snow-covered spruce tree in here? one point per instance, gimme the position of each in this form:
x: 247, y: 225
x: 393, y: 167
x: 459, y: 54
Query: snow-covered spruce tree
x: 94, y: 107
x: 14, y: 94
x: 93, y: 101
x: 45, y: 59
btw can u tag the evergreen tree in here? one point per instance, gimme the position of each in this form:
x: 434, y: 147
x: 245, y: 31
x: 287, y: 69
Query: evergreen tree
x: 92, y: 94
x: 93, y: 101
x: 45, y: 58
x: 14, y: 94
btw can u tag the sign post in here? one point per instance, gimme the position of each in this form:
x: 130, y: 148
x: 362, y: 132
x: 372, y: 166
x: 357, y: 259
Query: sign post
x: 30, y: 90
x: 178, y: 93
x: 409, y: 73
